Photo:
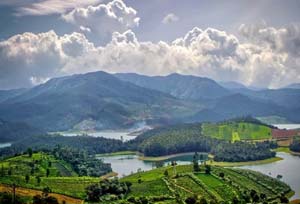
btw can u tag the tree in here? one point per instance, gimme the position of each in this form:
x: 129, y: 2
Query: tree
x: 235, y: 200
x: 32, y: 171
x: 284, y: 199
x: 47, y: 172
x: 46, y: 191
x: 203, y: 201
x: 27, y: 178
x: 38, y: 179
x: 49, y: 163
x: 173, y: 163
x: 195, y: 162
x: 207, y: 169
x: 9, y: 172
x: 29, y: 152
x: 166, y: 173
x: 190, y: 200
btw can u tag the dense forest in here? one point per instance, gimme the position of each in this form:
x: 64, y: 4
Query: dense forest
x: 242, y: 151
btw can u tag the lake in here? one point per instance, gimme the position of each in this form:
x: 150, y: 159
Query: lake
x: 287, y: 126
x: 288, y: 167
x: 127, y: 164
x: 2, y: 145
x: 119, y: 135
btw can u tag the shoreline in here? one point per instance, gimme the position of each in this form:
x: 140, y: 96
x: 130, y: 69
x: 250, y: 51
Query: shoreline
x: 246, y: 163
x: 286, y: 150
x: 211, y: 162
x: 165, y: 157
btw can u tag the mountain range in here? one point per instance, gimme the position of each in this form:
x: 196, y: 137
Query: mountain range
x: 100, y: 100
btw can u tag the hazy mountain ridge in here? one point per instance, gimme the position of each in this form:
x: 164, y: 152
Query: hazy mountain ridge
x: 12, y: 131
x: 100, y: 100
x: 99, y: 97
x: 186, y: 87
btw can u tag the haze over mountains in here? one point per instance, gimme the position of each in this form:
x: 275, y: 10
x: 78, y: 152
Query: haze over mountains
x: 100, y: 100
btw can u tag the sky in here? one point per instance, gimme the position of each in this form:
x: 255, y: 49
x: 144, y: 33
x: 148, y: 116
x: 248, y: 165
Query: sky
x: 254, y: 42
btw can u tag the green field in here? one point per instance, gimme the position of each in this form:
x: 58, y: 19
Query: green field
x: 235, y: 131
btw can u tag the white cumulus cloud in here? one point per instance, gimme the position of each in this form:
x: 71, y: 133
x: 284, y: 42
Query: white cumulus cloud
x: 29, y: 58
x: 104, y: 19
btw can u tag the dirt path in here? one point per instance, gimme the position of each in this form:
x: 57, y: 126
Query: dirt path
x: 178, y: 186
x: 31, y: 192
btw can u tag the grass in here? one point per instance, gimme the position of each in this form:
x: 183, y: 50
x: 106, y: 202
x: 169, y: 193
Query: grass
x: 217, y: 186
x: 282, y: 149
x: 237, y: 131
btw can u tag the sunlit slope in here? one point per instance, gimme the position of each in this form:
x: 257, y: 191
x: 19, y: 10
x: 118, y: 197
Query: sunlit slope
x: 235, y: 131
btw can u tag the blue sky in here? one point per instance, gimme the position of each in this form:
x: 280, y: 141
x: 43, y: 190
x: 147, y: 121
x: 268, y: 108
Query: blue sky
x: 243, y: 41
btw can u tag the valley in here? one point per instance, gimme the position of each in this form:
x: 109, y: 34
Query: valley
x: 149, y: 102
x: 146, y: 143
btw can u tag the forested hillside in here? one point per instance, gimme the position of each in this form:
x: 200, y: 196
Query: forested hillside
x: 15, y: 131
x: 222, y: 144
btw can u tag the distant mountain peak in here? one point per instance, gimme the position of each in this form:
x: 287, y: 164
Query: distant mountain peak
x: 187, y: 87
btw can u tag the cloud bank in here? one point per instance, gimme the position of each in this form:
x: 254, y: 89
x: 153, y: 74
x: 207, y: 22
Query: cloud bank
x: 46, y: 7
x: 266, y: 57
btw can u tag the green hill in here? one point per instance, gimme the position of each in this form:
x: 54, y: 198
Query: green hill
x: 156, y: 187
x: 223, y: 140
x: 235, y: 131
x: 61, y: 179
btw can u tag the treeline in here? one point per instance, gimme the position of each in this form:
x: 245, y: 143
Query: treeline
x: 92, y: 145
x: 243, y: 151
x: 247, y: 119
x: 295, y: 146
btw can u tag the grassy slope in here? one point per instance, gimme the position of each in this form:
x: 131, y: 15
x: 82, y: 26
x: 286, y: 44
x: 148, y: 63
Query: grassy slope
x: 237, y: 131
x: 154, y: 183
x: 62, y: 178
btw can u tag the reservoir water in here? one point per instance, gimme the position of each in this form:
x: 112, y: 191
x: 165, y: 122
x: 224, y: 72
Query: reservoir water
x: 119, y: 135
x: 2, y: 145
x: 287, y: 126
x: 127, y: 164
x: 288, y: 167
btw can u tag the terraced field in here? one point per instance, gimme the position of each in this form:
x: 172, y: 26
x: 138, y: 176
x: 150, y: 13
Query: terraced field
x: 235, y: 131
